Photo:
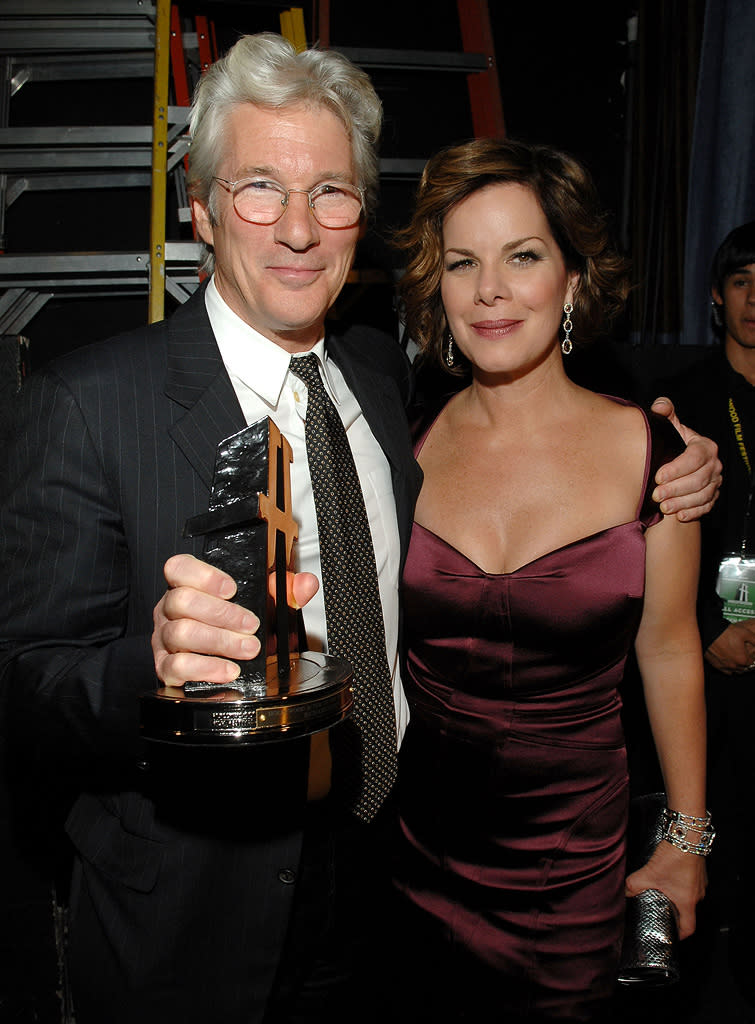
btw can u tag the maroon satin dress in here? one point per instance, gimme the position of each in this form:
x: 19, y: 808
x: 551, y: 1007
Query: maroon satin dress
x: 513, y: 780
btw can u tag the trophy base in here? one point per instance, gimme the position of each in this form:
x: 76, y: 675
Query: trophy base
x: 316, y: 695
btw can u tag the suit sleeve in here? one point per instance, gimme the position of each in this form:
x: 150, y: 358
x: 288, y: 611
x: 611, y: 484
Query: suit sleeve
x: 665, y: 444
x: 70, y: 669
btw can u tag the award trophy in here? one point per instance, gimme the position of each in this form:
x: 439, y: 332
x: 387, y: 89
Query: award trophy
x: 249, y: 533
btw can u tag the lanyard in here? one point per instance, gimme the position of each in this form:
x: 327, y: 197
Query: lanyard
x: 737, y: 424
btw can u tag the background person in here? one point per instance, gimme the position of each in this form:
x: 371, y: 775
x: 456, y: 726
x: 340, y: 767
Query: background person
x: 718, y: 397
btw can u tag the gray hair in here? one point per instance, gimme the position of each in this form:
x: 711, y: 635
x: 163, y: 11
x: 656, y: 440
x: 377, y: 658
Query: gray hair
x: 266, y: 70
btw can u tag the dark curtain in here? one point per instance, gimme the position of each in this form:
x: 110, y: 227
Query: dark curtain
x: 662, y: 89
x: 722, y: 165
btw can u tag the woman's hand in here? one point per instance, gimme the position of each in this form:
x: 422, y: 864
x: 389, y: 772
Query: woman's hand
x: 680, y: 876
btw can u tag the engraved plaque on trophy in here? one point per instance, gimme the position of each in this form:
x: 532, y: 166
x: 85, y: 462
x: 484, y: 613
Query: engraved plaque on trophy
x: 249, y: 532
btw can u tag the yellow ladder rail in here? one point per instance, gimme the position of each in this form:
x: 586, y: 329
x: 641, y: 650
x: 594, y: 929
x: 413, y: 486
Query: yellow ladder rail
x: 292, y: 27
x: 159, y: 163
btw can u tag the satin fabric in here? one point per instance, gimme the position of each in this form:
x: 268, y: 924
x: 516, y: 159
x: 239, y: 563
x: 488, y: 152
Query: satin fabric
x: 513, y: 780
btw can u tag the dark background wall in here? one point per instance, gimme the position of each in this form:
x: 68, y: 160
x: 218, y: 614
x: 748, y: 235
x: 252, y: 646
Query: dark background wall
x: 562, y: 79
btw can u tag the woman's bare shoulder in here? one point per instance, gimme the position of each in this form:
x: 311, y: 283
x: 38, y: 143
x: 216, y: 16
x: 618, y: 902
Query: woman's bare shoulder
x: 617, y: 418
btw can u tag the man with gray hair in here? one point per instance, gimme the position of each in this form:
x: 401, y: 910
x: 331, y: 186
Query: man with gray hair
x: 219, y: 885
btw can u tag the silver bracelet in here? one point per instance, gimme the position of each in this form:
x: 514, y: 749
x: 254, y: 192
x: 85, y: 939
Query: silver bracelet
x: 677, y: 828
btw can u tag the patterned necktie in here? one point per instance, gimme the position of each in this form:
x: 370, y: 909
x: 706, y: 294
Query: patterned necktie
x: 353, y: 612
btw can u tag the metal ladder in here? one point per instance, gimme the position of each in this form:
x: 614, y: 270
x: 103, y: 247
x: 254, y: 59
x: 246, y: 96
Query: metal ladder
x: 45, y: 40
x: 62, y: 40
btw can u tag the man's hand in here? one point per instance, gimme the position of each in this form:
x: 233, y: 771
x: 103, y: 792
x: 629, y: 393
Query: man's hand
x: 733, y: 651
x: 199, y: 633
x: 688, y: 486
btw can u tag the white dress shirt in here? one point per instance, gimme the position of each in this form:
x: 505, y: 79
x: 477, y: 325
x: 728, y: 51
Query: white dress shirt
x: 259, y: 372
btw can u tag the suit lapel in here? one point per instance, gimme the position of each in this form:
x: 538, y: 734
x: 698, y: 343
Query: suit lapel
x: 383, y: 408
x: 377, y: 395
x: 198, y: 381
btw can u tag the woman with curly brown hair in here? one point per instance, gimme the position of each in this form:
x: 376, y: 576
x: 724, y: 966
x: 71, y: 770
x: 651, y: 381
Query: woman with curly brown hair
x: 537, y: 560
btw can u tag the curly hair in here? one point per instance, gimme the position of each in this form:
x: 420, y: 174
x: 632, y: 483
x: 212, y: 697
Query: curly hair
x: 569, y: 200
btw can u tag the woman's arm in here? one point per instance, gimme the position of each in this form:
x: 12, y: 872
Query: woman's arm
x: 669, y: 656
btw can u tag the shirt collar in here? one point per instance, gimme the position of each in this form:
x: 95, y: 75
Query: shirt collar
x: 250, y: 357
x: 326, y: 368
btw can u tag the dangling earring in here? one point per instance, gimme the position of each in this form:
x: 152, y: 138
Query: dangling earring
x: 450, y: 351
x: 566, y: 344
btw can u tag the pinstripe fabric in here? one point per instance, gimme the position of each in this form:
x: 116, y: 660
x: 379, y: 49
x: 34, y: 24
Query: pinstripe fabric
x: 182, y: 895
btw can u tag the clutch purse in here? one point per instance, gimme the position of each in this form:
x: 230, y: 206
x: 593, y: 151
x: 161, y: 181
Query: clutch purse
x: 651, y: 937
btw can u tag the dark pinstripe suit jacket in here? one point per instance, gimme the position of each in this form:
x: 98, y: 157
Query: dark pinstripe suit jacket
x: 189, y: 870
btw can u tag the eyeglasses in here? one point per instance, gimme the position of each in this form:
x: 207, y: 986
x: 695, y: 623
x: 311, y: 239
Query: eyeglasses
x: 262, y: 201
